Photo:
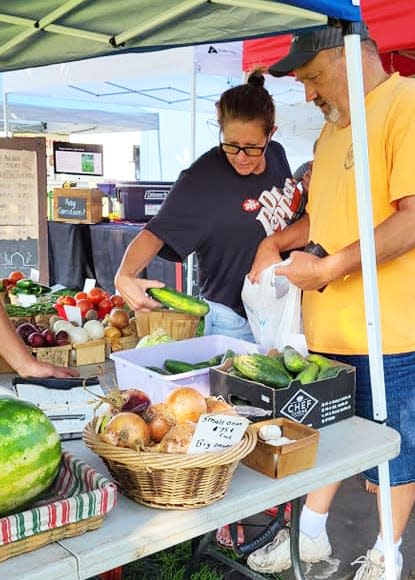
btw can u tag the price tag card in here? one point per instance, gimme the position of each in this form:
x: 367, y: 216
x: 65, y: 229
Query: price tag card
x: 57, y: 287
x: 34, y: 274
x: 73, y: 314
x: 89, y: 284
x: 27, y: 300
x: 217, y: 432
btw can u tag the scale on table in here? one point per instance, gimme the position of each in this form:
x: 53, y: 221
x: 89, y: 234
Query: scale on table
x: 65, y: 401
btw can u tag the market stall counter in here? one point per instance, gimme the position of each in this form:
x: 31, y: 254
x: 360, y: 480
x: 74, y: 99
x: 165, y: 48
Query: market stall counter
x: 133, y: 531
x: 79, y: 251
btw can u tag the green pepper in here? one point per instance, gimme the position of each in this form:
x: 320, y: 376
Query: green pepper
x: 24, y: 283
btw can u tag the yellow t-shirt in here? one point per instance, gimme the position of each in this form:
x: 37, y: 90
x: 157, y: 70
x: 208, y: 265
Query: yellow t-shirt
x: 334, y: 320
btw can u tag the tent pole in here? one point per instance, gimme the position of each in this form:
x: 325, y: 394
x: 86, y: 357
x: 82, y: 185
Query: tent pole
x: 5, y: 115
x: 369, y: 273
x: 159, y: 149
x: 189, y: 277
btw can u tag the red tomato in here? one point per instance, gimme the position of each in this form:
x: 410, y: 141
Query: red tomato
x: 66, y: 301
x: 104, y: 308
x: 95, y: 295
x: 15, y: 276
x: 84, y: 305
x: 7, y: 283
x: 117, y: 300
x: 80, y: 296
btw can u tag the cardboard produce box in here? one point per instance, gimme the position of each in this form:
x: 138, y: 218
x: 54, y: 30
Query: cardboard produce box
x: 317, y: 404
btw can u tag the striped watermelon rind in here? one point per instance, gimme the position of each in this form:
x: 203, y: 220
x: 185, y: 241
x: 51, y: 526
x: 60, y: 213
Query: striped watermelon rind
x: 30, y: 453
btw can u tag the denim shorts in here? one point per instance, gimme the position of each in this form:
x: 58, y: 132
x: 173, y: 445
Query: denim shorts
x: 223, y: 320
x: 399, y: 371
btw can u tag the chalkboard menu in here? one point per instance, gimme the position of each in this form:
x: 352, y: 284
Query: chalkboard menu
x: 23, y: 231
x: 77, y: 205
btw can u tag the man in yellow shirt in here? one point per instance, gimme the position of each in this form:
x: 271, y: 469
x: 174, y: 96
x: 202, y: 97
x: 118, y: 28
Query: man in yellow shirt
x: 334, y: 320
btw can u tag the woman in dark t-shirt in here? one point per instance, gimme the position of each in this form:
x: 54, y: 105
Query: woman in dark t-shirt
x: 221, y: 207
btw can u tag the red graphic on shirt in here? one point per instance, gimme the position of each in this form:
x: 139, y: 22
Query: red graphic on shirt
x: 280, y: 207
x: 250, y: 205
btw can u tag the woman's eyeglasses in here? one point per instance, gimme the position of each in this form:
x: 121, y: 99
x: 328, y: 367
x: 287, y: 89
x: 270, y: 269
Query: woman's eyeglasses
x: 250, y: 150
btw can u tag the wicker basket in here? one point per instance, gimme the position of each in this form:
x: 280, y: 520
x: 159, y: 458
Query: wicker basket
x: 178, y: 325
x: 171, y: 481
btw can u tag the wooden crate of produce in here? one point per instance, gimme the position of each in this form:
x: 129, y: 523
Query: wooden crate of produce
x: 56, y: 355
x: 178, y: 325
x: 89, y: 353
x: 77, y: 205
x: 121, y: 343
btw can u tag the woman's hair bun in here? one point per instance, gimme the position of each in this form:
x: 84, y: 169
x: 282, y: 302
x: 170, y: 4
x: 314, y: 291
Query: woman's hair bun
x: 256, y: 79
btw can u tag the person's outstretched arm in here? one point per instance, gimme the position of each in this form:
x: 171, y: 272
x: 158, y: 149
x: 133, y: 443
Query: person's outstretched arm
x: 137, y: 256
x: 14, y: 351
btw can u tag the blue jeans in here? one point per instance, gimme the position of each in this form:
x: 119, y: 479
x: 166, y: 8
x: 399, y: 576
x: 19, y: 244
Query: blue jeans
x: 223, y: 320
x: 399, y: 370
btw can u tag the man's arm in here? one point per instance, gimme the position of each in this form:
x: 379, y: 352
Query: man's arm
x: 137, y: 256
x: 393, y: 237
x: 268, y: 252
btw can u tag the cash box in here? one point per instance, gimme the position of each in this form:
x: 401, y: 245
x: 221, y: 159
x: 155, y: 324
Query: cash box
x: 316, y: 404
x: 142, y: 201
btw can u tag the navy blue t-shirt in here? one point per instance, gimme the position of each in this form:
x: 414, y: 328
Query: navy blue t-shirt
x: 223, y: 216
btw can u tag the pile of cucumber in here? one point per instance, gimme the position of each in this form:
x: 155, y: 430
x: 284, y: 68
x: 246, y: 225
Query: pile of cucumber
x: 280, y: 369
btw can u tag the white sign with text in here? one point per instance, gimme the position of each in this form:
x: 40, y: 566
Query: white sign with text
x: 217, y: 432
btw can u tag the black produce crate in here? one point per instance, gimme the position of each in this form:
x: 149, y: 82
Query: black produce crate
x: 142, y: 201
x: 317, y: 404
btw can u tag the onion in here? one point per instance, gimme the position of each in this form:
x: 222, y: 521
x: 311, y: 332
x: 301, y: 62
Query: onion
x: 119, y: 318
x: 186, y: 404
x: 77, y: 335
x: 215, y: 405
x: 178, y: 438
x: 134, y: 400
x: 159, y: 426
x: 94, y: 329
x: 127, y: 430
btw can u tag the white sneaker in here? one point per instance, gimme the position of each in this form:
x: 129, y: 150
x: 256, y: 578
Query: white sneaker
x: 372, y: 566
x: 276, y: 557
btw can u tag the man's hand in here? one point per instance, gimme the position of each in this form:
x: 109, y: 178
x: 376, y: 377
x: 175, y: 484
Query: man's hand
x: 43, y: 370
x: 266, y: 255
x: 307, y: 271
x: 134, y: 289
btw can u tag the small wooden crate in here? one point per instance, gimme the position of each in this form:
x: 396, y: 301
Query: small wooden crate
x: 89, y: 353
x: 177, y: 324
x: 76, y: 205
x: 121, y: 343
x: 278, y: 461
x: 55, y: 355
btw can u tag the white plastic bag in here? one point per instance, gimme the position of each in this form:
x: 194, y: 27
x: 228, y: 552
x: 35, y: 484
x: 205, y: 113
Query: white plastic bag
x: 273, y: 308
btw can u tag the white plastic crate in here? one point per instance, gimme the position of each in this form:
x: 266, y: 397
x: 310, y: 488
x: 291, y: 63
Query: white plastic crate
x: 131, y: 372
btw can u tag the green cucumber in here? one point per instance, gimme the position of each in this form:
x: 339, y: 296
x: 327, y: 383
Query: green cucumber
x: 330, y: 372
x: 309, y: 374
x: 177, y: 366
x: 293, y: 360
x: 320, y: 360
x: 158, y: 370
x: 263, y: 369
x: 179, y: 301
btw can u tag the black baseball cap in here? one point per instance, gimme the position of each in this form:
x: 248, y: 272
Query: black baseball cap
x: 306, y: 45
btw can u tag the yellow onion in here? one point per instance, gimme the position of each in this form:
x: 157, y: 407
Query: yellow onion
x: 127, y: 430
x: 186, y: 404
x: 177, y: 439
x: 215, y: 405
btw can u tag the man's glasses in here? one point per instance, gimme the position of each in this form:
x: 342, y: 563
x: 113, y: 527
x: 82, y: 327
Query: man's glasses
x: 250, y: 150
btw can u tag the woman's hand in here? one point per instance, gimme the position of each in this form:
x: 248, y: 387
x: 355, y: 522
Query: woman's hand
x: 133, y: 290
x: 267, y: 254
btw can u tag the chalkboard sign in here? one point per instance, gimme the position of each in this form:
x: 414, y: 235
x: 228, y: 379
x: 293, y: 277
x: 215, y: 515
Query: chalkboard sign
x: 72, y: 208
x: 23, y: 201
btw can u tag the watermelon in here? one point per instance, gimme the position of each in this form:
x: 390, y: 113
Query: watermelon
x: 30, y: 453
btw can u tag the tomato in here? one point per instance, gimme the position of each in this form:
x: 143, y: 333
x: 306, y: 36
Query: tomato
x: 95, y: 295
x: 104, y: 308
x: 66, y: 301
x: 117, y: 300
x: 6, y: 283
x: 80, y: 296
x: 14, y: 276
x: 84, y: 305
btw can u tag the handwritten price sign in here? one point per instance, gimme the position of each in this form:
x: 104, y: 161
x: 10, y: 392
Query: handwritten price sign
x: 217, y: 432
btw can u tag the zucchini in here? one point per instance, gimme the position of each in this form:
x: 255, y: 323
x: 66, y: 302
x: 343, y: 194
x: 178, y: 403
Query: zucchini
x: 321, y: 361
x: 308, y: 374
x: 263, y: 369
x: 179, y: 301
x: 293, y: 360
x: 158, y: 370
x: 177, y: 366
